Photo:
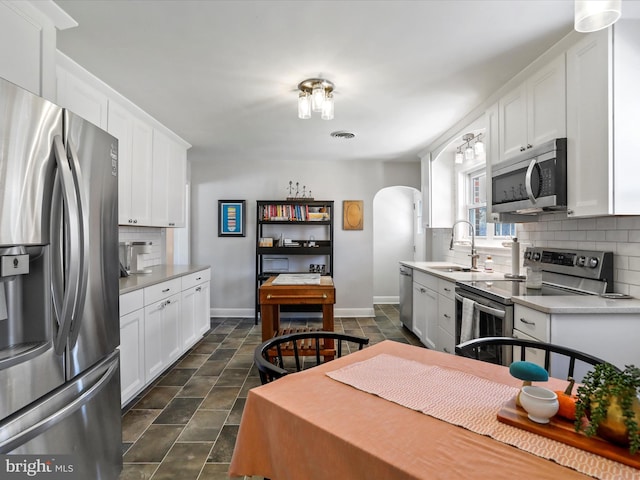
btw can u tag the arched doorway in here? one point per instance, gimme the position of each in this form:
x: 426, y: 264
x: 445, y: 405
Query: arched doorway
x: 396, y: 237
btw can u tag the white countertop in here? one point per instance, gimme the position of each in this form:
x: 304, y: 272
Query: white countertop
x: 561, y: 304
x: 427, y: 267
x: 159, y: 273
x: 579, y: 304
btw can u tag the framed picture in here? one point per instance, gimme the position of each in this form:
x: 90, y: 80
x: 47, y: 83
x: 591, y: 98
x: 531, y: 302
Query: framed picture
x: 352, y: 215
x: 231, y: 218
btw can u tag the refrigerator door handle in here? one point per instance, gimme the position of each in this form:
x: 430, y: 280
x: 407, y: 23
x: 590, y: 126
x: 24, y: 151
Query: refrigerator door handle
x: 83, y: 250
x: 69, y: 286
x: 52, y: 410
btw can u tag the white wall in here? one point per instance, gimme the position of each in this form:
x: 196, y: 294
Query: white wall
x: 233, y: 259
x: 393, y: 235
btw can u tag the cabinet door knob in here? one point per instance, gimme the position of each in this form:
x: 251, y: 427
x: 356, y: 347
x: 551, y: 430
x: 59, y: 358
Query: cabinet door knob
x: 522, y: 149
x: 527, y: 322
x: 529, y: 146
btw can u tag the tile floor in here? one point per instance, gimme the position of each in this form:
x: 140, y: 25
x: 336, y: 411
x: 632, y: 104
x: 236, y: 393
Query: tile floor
x: 184, y: 426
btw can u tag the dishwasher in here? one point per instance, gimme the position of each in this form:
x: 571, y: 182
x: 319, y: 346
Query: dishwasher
x: 406, y: 296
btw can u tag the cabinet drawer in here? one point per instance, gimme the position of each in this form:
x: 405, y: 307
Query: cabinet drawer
x: 446, y: 314
x: 446, y: 342
x: 446, y: 288
x: 196, y: 278
x: 131, y: 301
x: 426, y: 280
x: 158, y: 292
x: 531, y: 322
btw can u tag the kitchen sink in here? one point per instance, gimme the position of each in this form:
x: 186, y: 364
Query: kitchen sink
x: 451, y: 268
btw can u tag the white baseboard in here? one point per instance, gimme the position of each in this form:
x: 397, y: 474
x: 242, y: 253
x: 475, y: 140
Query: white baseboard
x: 391, y: 300
x: 249, y: 313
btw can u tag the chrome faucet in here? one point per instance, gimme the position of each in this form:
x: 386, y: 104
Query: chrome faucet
x: 474, y: 255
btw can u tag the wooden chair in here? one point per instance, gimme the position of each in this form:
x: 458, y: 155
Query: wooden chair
x: 269, y: 356
x: 480, y: 348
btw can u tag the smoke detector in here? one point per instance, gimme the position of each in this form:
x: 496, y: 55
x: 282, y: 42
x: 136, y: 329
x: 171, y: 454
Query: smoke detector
x: 342, y: 134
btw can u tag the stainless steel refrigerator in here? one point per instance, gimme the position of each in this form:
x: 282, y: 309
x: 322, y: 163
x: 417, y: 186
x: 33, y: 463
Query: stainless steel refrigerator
x: 59, y: 323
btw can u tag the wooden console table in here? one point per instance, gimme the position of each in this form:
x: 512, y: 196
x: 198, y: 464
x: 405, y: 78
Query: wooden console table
x: 272, y: 296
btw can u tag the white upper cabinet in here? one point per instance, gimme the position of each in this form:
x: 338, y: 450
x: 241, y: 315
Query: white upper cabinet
x: 82, y: 98
x: 135, y: 144
x: 169, y: 180
x: 28, y: 44
x: 533, y: 112
x: 602, y: 106
x: 152, y: 167
x: 19, y: 49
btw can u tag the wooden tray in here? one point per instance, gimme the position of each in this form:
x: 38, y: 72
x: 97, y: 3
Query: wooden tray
x: 562, y: 431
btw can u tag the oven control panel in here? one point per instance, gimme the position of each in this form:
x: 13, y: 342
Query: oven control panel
x: 580, y: 263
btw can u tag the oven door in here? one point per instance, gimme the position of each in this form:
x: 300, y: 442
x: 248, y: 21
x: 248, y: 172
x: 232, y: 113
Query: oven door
x: 493, y: 320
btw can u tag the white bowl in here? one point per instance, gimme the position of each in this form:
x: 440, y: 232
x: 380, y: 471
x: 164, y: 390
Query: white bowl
x: 540, y: 403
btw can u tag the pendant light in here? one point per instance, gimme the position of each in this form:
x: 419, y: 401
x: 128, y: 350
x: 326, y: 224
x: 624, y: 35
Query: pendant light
x: 594, y: 15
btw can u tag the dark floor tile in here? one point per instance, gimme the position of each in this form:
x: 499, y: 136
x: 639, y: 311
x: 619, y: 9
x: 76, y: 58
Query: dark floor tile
x: 252, y: 381
x: 211, y: 368
x: 241, y: 361
x: 232, y: 343
x: 197, y: 386
x: 138, y: 471
x: 184, y: 462
x: 204, y: 348
x: 236, y: 412
x: 215, y: 337
x: 135, y: 422
x: 177, y: 377
x: 157, y: 397
x: 178, y: 412
x: 215, y: 471
x: 223, y: 354
x: 193, y: 360
x: 223, y: 449
x: 220, y: 398
x: 204, y: 426
x: 232, y: 377
x: 246, y: 349
x: 154, y: 444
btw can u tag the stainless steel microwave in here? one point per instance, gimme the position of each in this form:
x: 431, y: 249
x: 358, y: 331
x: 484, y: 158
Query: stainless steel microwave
x: 535, y: 181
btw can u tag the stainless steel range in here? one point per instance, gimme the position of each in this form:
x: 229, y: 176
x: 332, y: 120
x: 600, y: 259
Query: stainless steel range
x: 564, y: 272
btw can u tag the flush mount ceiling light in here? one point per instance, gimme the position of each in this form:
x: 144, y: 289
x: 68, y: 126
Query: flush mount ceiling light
x: 315, y: 94
x: 466, y: 151
x: 594, y: 15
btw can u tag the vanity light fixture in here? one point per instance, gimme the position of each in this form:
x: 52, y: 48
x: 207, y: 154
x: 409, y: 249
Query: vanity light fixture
x: 459, y: 156
x: 469, y: 151
x: 315, y: 94
x: 594, y: 15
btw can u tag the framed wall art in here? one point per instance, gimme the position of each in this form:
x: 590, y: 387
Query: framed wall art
x: 231, y: 218
x: 352, y: 215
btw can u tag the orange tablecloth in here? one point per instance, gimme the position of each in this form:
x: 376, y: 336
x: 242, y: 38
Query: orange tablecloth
x: 308, y: 426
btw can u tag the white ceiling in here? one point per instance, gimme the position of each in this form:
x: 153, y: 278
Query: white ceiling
x: 223, y: 74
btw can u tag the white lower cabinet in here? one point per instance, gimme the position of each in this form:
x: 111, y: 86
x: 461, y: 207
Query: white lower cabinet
x: 162, y: 335
x: 158, y: 324
x: 446, y: 317
x: 425, y: 308
x: 132, y: 375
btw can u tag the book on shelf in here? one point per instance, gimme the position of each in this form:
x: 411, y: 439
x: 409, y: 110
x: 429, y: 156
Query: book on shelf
x: 293, y: 212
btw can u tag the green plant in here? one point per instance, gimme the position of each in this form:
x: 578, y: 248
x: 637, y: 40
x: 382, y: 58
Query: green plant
x: 606, y: 389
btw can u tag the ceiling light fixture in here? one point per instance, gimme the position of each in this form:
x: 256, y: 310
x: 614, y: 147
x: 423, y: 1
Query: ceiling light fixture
x: 315, y: 94
x: 594, y: 15
x: 466, y: 151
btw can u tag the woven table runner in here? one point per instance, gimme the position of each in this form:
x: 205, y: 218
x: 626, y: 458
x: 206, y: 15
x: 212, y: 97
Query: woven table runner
x: 423, y: 388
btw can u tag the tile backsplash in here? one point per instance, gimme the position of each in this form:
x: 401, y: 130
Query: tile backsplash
x: 620, y: 235
x: 146, y: 234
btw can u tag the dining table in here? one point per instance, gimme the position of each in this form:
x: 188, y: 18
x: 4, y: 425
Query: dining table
x: 399, y: 411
